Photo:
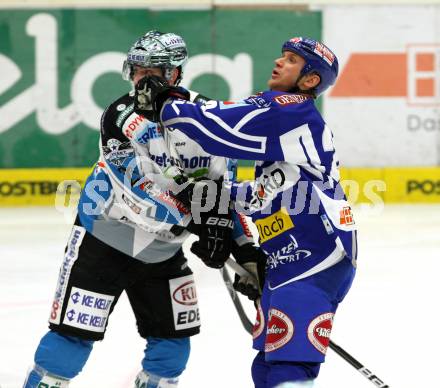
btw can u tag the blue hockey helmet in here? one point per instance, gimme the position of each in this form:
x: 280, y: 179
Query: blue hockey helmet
x: 319, y: 59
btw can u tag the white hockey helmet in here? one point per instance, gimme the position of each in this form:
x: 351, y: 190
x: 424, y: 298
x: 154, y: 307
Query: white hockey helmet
x: 156, y: 49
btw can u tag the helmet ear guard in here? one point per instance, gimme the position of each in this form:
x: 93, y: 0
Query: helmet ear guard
x: 319, y: 59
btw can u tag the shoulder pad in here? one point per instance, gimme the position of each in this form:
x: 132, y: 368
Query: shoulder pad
x: 119, y: 110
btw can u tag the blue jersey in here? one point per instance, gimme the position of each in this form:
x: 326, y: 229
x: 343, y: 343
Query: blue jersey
x: 304, y: 221
x: 127, y: 201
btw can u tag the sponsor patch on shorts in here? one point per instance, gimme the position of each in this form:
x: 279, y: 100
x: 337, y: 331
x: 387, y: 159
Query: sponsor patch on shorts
x: 319, y: 331
x: 279, y: 330
x: 184, y: 302
x: 70, y: 257
x: 87, y: 310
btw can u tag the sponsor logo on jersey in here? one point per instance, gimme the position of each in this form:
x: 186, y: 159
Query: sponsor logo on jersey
x: 118, y: 157
x: 319, y: 331
x: 226, y: 104
x: 133, y: 125
x: 164, y: 197
x: 327, y: 224
x: 346, y: 216
x: 113, y: 144
x: 259, y: 322
x: 87, y: 310
x: 70, y: 257
x: 266, y: 187
x: 124, y: 114
x: 244, y: 225
x: 189, y: 163
x: 287, y: 254
x: 274, y: 225
x: 195, y: 161
x: 258, y: 101
x: 148, y: 133
x: 289, y: 99
x: 186, y: 294
x: 184, y: 302
x: 279, y: 330
x: 136, y: 209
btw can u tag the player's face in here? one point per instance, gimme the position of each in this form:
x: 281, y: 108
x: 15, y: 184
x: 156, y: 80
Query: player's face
x: 141, y: 72
x: 286, y: 71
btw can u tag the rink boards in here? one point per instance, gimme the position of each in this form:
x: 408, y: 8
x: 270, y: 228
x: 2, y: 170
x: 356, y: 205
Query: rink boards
x: 38, y: 187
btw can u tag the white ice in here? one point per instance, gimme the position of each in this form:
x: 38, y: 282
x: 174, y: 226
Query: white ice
x: 388, y: 320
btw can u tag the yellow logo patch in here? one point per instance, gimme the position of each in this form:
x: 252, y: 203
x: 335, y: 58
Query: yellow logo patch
x: 274, y: 225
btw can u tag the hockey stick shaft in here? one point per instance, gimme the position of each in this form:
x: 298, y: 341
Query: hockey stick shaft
x: 247, y: 323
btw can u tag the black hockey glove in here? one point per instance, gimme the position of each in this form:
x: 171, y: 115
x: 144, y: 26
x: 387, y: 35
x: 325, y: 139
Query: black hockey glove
x: 150, y: 94
x: 252, y: 259
x: 212, y: 219
x: 215, y: 236
x: 200, y: 193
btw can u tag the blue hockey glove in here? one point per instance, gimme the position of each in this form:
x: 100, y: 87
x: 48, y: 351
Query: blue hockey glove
x: 252, y: 259
x: 150, y: 94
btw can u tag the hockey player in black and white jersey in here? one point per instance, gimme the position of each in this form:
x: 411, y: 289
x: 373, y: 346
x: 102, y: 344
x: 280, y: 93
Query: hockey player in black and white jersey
x: 129, y: 233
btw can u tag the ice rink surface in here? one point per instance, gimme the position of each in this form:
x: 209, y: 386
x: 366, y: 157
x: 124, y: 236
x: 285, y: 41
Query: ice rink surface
x: 389, y: 320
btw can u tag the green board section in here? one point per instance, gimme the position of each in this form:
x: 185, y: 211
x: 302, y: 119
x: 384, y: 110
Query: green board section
x: 60, y: 68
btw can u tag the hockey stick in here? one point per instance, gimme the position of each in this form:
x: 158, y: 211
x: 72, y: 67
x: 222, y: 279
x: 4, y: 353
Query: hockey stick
x: 247, y: 323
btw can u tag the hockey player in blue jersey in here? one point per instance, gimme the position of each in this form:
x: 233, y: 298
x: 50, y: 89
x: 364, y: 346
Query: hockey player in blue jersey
x: 306, y: 227
x: 128, y: 237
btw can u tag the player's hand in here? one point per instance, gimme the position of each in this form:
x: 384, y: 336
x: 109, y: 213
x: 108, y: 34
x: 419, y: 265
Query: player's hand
x: 215, y: 236
x: 253, y: 260
x: 200, y: 193
x: 212, y: 220
x: 150, y: 94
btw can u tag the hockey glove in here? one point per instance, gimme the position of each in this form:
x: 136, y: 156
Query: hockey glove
x: 252, y: 259
x: 200, y: 193
x: 215, y: 236
x: 212, y: 220
x: 150, y: 94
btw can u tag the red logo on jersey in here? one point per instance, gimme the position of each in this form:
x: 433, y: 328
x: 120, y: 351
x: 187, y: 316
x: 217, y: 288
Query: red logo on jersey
x: 279, y: 330
x: 346, y: 216
x: 133, y: 125
x: 174, y: 202
x: 319, y: 331
x: 244, y: 225
x: 259, y: 322
x: 289, y: 99
x: 186, y: 294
